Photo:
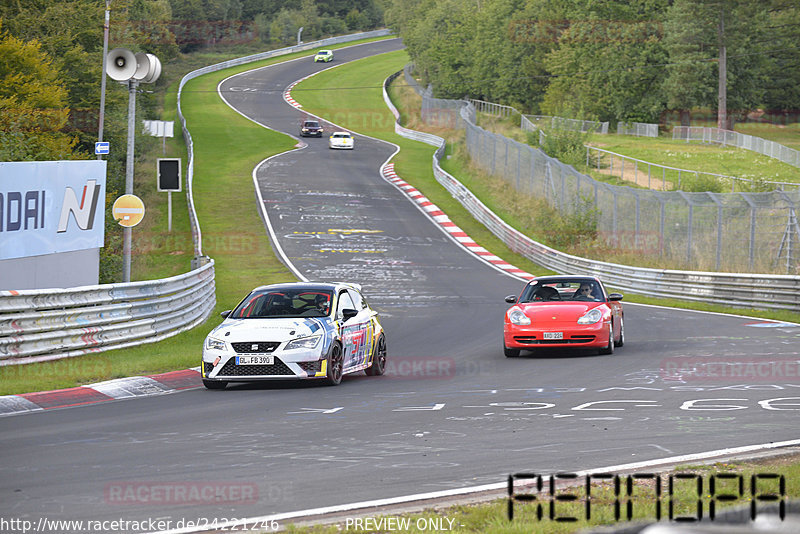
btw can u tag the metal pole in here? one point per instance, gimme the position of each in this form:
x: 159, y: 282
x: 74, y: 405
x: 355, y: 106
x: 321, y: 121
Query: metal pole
x: 103, y: 76
x: 126, y: 234
x: 169, y: 211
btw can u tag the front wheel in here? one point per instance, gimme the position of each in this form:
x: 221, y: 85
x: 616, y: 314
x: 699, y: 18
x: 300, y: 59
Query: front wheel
x: 378, y: 366
x: 609, y: 349
x: 510, y: 353
x: 335, y: 365
x: 621, y: 332
x: 214, y: 384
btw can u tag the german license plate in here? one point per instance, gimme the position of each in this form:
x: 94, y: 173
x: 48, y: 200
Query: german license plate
x: 553, y: 335
x: 255, y: 360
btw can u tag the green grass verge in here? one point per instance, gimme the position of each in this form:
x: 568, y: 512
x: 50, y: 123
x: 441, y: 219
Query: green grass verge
x: 227, y: 148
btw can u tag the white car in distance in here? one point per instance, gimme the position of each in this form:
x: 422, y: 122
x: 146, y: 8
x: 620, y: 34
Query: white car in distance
x: 341, y: 140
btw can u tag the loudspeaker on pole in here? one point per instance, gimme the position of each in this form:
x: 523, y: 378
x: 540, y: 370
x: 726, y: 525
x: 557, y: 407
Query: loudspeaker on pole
x: 121, y: 64
x: 148, y: 68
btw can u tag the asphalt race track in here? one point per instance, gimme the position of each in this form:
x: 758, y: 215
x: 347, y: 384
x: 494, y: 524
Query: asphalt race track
x: 451, y: 412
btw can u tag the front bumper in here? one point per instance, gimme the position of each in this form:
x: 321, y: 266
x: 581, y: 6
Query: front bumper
x: 295, y: 364
x: 532, y: 337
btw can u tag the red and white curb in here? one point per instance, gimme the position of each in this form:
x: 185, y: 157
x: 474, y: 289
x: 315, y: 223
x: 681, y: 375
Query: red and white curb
x: 121, y: 388
x: 287, y: 94
x: 440, y: 218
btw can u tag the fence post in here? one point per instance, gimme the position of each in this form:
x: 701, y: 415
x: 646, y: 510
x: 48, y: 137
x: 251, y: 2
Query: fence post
x: 719, y: 235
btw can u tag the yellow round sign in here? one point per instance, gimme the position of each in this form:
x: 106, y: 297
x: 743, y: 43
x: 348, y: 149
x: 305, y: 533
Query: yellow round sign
x: 128, y: 210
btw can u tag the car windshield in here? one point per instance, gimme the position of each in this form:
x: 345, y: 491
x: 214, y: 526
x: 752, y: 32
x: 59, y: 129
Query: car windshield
x: 311, y: 124
x: 580, y: 289
x: 284, y: 302
x: 341, y: 136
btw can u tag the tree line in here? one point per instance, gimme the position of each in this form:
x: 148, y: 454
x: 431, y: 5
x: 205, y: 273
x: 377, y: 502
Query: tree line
x: 616, y: 60
x: 51, y: 57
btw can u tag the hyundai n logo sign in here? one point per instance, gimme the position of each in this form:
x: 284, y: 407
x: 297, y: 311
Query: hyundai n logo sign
x: 83, y: 210
x: 21, y: 210
x: 25, y: 210
x: 49, y: 207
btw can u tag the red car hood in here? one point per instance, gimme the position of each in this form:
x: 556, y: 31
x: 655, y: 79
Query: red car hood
x: 558, y: 312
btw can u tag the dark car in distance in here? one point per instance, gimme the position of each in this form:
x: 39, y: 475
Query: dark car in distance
x: 309, y: 128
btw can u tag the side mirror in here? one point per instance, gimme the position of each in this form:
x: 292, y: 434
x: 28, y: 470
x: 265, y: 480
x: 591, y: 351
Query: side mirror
x: 511, y: 299
x: 225, y: 314
x: 349, y: 313
x: 615, y: 296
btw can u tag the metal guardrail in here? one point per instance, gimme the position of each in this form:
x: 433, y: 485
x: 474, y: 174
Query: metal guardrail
x: 50, y: 324
x: 760, y: 291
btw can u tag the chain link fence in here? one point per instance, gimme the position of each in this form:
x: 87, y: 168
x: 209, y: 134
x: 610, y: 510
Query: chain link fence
x: 577, y: 125
x: 736, y: 232
x: 639, y: 129
x: 748, y: 142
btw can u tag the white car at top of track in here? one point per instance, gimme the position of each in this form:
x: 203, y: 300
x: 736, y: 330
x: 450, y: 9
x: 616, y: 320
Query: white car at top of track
x: 299, y: 330
x: 341, y: 140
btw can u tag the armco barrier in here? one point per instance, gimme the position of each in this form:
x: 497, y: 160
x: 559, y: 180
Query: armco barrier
x: 760, y: 291
x: 50, y: 324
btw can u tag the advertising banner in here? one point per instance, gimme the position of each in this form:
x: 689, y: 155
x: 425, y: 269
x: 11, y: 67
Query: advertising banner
x: 51, y: 206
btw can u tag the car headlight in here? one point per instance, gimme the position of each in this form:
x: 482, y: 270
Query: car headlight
x: 591, y: 317
x: 214, y: 344
x: 304, y: 343
x: 517, y: 317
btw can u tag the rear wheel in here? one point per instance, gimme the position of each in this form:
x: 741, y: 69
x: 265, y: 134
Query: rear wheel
x: 378, y: 358
x: 214, y: 384
x: 609, y: 349
x: 335, y: 365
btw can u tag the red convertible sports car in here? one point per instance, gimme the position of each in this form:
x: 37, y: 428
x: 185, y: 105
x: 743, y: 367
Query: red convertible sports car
x: 563, y: 312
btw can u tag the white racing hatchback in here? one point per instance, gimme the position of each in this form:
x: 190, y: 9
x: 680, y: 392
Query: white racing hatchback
x: 341, y: 140
x: 300, y: 330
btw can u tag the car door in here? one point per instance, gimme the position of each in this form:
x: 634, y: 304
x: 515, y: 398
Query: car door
x: 355, y: 332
